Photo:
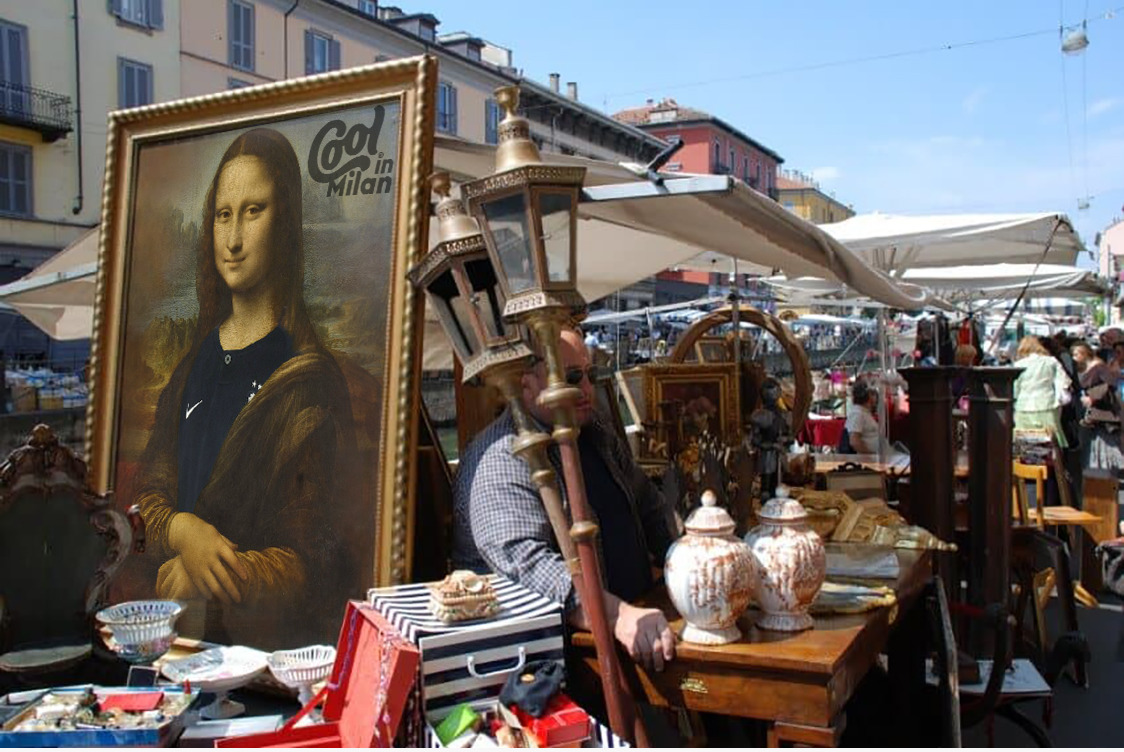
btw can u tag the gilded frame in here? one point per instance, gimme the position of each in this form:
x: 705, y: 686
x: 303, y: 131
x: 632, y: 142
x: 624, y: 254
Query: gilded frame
x: 409, y: 85
x: 717, y: 379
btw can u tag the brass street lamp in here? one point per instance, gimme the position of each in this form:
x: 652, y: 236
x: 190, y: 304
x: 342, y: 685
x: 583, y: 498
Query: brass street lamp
x: 462, y: 288
x: 527, y: 212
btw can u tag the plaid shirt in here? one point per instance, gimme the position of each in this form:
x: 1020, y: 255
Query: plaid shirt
x: 501, y: 525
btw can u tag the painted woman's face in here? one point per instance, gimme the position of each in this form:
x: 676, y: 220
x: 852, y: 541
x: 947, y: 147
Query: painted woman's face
x: 244, y: 216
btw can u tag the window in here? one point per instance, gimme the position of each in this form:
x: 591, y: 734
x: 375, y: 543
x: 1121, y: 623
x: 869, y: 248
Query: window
x: 732, y: 161
x: 491, y: 122
x: 321, y: 52
x: 717, y: 154
x: 237, y: 83
x: 745, y: 169
x: 15, y: 179
x: 240, y: 32
x: 13, y: 68
x: 427, y: 32
x: 369, y: 7
x: 146, y: 13
x: 134, y: 83
x: 447, y: 108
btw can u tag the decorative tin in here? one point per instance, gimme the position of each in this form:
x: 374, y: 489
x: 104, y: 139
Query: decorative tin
x: 710, y: 575
x: 791, y: 564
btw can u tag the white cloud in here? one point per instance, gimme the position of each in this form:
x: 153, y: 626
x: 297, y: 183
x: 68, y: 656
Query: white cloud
x: 825, y: 174
x: 973, y: 100
x: 1101, y: 106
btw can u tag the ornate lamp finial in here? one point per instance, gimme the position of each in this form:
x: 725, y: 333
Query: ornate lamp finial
x: 515, y: 149
x: 452, y: 218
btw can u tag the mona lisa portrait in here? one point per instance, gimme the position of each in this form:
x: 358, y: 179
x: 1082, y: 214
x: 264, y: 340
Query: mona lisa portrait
x: 254, y: 346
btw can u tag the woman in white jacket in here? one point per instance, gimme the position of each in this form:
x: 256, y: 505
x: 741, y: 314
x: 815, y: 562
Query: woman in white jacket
x: 1041, y: 389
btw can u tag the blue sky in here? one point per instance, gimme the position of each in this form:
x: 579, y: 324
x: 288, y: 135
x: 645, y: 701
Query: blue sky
x: 977, y: 128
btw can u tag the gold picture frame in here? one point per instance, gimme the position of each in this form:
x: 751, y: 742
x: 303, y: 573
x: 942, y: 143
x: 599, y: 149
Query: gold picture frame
x: 219, y: 256
x: 711, y: 387
x: 712, y: 350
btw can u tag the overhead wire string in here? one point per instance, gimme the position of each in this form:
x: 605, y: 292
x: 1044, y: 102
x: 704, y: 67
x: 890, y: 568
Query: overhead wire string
x: 1085, y: 124
x: 1065, y: 99
x: 1104, y: 15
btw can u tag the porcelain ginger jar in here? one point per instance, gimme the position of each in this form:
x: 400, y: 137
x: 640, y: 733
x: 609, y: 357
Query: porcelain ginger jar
x: 710, y: 575
x: 791, y: 564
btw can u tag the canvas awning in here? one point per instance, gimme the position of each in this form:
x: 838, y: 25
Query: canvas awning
x: 895, y: 243
x: 629, y: 228
x: 960, y: 284
x: 58, y: 295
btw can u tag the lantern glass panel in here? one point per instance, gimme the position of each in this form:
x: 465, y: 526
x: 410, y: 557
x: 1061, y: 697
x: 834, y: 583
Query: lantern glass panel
x: 455, y: 314
x: 487, y: 295
x: 507, y: 224
x: 555, y: 211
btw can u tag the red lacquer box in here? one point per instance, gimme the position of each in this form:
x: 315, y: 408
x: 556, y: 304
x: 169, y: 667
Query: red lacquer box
x: 563, y: 724
x: 365, y: 696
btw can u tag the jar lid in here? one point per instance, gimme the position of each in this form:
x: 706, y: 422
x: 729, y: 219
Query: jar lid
x: 710, y: 519
x: 782, y: 508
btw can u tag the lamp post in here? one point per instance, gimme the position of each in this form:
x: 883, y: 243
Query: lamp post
x: 527, y: 213
x: 461, y: 286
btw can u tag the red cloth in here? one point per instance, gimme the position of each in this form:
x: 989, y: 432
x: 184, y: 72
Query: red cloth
x: 822, y: 432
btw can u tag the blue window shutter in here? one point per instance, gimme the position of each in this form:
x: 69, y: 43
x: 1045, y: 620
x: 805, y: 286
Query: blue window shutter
x: 250, y: 40
x: 114, y: 7
x: 122, y: 95
x: 149, y: 85
x: 333, y: 54
x: 308, y: 51
x: 453, y: 110
x: 156, y: 14
x: 231, y: 21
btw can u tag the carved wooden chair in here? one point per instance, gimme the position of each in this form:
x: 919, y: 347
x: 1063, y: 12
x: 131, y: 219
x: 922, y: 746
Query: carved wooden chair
x: 59, y: 548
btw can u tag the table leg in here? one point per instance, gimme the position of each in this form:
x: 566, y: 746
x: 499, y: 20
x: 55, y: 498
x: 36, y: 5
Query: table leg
x: 906, y: 654
x: 792, y: 734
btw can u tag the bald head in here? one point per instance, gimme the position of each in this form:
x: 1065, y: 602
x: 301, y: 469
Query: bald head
x: 575, y: 362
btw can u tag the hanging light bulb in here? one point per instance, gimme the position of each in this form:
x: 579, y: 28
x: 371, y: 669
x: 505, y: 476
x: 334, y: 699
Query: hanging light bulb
x: 1075, y: 41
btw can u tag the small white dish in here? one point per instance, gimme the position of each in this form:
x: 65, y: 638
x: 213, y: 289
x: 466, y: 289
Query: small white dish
x: 303, y: 667
x: 218, y: 670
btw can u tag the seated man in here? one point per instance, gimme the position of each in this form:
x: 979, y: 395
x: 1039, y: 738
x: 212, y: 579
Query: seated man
x: 500, y: 523
x: 862, y: 428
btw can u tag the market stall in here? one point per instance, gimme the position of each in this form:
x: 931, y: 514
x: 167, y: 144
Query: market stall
x: 240, y: 550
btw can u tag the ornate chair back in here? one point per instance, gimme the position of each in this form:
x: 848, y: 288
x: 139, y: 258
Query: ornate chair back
x: 59, y: 548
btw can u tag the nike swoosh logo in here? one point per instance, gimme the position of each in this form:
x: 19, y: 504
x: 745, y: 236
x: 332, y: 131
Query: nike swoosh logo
x: 191, y: 409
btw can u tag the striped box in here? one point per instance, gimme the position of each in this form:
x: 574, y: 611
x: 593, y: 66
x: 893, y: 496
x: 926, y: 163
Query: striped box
x: 470, y: 661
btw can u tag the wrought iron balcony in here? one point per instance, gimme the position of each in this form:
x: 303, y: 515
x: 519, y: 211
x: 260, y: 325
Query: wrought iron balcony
x: 42, y: 111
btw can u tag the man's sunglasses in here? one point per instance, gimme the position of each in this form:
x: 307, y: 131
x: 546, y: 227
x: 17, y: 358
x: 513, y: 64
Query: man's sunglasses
x: 574, y: 374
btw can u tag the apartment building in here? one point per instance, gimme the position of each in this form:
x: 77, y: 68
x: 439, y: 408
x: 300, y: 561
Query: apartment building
x: 64, y: 64
x: 801, y: 194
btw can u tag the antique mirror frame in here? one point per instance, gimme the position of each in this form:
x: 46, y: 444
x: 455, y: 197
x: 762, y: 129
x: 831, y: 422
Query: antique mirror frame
x: 411, y: 83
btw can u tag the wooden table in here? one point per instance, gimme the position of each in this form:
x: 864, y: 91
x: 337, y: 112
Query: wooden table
x: 799, y: 683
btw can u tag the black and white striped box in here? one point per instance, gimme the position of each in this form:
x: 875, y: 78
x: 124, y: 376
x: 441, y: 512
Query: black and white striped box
x: 470, y: 661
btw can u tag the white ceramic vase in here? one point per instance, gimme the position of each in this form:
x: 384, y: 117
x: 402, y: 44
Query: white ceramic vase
x: 710, y: 576
x: 791, y: 564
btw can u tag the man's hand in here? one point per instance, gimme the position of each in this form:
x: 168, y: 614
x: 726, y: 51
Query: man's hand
x: 173, y: 583
x: 208, y: 557
x: 646, y: 634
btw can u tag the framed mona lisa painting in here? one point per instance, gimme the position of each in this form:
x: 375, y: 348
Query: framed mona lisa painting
x: 257, y: 345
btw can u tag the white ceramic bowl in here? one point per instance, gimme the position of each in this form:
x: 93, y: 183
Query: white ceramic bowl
x: 142, y: 630
x: 217, y: 669
x: 302, y: 667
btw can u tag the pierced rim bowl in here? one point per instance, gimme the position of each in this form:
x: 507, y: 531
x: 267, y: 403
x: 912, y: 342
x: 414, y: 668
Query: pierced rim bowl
x: 301, y: 666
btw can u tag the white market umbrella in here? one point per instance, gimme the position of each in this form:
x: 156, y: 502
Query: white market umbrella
x: 58, y: 295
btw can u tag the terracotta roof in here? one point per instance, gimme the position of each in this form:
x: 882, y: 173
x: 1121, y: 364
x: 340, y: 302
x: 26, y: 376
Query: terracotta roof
x: 668, y: 112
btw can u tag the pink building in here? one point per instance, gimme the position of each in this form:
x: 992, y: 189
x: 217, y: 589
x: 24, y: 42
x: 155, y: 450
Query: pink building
x: 1111, y: 249
x: 710, y: 144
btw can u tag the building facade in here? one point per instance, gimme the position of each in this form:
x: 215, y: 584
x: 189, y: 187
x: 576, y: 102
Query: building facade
x: 710, y: 145
x: 801, y: 195
x: 64, y: 64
